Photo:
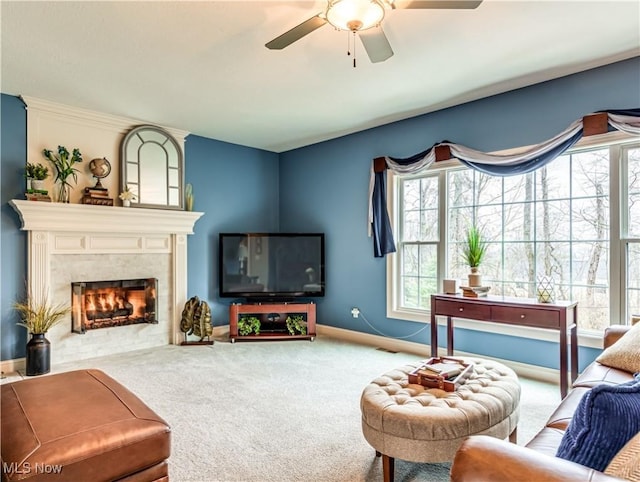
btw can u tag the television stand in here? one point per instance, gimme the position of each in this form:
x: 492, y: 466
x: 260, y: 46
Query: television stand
x: 271, y: 319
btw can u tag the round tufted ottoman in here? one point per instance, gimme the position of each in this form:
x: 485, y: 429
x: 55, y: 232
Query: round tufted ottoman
x: 418, y: 424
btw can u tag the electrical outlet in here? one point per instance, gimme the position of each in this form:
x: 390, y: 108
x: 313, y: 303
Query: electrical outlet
x: 355, y: 312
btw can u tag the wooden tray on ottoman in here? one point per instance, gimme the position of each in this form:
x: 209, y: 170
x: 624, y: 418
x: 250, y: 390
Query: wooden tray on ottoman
x: 441, y: 372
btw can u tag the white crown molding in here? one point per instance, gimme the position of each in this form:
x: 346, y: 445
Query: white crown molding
x: 60, y: 217
x: 112, y: 122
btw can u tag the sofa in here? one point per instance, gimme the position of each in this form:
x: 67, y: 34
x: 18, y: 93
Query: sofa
x: 483, y: 458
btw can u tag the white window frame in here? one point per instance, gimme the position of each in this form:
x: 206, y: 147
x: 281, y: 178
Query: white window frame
x: 617, y: 251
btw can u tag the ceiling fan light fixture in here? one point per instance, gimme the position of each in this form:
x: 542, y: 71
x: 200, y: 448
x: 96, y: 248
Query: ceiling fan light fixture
x: 355, y: 15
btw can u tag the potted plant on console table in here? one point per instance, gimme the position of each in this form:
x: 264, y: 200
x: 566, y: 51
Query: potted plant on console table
x: 38, y: 316
x: 473, y: 252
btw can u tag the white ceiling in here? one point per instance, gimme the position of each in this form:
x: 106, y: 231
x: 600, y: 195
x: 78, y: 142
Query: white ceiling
x: 202, y: 66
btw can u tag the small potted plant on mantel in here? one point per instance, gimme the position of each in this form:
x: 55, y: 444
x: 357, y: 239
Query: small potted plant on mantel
x: 473, y: 252
x: 36, y: 174
x: 38, y: 317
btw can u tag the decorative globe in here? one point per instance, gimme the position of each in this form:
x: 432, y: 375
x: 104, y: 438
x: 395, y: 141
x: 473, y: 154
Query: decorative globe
x: 100, y: 168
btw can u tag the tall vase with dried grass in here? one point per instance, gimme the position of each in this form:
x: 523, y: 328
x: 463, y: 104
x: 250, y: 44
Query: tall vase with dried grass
x: 473, y: 252
x: 38, y: 317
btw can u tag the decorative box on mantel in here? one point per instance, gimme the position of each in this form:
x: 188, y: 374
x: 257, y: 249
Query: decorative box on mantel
x: 62, y: 229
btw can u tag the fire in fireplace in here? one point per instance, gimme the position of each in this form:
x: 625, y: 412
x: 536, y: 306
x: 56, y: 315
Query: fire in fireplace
x: 103, y: 304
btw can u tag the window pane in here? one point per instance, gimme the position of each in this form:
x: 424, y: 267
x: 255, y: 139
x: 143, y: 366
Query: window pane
x: 590, y: 218
x: 517, y: 187
x: 591, y: 263
x: 460, y: 187
x: 518, y: 224
x: 459, y: 220
x: 553, y: 220
x: 420, y: 209
x: 633, y: 280
x: 410, y: 260
x: 429, y: 225
x: 590, y: 173
x: 554, y: 260
x: 489, y: 221
x: 488, y: 189
x: 519, y: 259
x: 411, y: 226
x: 418, y: 243
x: 491, y: 268
x: 419, y: 277
x: 517, y: 290
x: 633, y: 189
x: 593, y: 307
x: 552, y: 179
x: 411, y: 191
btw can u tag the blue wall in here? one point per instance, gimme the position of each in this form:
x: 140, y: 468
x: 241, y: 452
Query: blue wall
x: 327, y: 187
x: 13, y: 257
x: 238, y: 190
x: 323, y: 187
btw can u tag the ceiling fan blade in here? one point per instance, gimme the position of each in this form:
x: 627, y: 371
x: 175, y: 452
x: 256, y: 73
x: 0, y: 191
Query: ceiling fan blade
x: 296, y: 33
x: 376, y: 44
x: 457, y: 4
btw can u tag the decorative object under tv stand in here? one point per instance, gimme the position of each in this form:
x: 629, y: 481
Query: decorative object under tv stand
x: 273, y: 316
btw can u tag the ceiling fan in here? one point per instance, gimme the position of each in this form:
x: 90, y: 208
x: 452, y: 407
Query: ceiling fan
x: 362, y: 17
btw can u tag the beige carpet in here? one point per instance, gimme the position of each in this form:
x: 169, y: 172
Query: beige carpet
x: 276, y: 411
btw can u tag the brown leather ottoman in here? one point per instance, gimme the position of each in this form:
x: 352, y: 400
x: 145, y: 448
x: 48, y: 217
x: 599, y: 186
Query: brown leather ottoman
x: 80, y: 426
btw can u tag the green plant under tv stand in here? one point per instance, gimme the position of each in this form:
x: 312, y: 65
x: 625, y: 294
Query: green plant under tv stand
x: 273, y: 320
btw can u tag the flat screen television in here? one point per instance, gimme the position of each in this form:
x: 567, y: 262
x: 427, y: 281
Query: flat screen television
x: 271, y: 266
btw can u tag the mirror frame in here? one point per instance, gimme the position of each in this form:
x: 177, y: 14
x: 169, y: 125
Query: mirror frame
x: 124, y: 162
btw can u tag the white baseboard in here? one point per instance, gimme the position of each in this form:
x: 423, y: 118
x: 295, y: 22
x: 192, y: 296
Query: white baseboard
x: 220, y: 331
x: 525, y: 370
x: 544, y: 374
x: 11, y: 366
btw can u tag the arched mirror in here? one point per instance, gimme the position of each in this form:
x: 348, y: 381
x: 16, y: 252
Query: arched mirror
x: 152, y: 168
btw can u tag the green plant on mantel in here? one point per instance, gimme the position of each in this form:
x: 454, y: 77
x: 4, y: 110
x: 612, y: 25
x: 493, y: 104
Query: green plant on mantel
x: 296, y: 325
x: 36, y: 171
x: 63, y: 163
x: 248, y: 325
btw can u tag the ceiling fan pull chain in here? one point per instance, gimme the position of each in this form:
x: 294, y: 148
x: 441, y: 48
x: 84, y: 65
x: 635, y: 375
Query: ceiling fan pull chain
x: 354, y: 49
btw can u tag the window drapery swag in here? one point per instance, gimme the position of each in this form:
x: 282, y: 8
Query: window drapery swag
x: 535, y: 157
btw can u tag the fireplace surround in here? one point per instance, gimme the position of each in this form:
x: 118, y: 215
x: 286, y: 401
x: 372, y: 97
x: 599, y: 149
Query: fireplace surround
x: 70, y: 243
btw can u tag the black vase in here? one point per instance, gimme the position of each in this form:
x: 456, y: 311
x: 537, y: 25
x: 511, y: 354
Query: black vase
x: 38, y: 355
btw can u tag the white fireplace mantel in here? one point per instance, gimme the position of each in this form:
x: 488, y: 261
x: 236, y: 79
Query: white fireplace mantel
x: 60, y: 217
x: 63, y: 229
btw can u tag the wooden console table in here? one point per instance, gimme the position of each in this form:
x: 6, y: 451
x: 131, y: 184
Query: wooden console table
x: 561, y: 316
